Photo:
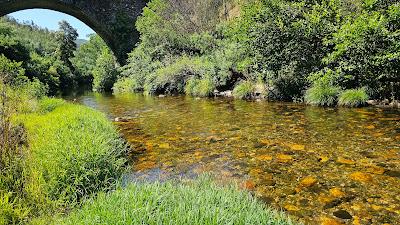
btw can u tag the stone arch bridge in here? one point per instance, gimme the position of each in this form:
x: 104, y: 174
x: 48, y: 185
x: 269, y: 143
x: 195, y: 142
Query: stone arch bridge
x: 113, y: 20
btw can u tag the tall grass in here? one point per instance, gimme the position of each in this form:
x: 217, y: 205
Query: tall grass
x: 75, y: 152
x: 201, y: 202
x: 322, y: 95
x: 353, y: 98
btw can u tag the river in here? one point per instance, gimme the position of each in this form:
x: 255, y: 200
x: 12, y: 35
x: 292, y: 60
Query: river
x: 315, y: 163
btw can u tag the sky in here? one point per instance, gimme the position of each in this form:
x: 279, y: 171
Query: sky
x: 49, y: 19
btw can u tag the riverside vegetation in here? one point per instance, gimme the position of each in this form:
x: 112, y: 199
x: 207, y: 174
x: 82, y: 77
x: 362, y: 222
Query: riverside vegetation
x: 322, y: 52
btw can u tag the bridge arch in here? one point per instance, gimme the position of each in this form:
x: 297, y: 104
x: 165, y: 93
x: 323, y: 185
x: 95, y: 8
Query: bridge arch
x: 113, y: 20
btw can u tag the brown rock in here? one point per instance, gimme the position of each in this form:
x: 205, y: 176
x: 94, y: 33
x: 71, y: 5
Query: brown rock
x: 330, y: 221
x: 284, y: 158
x: 336, y: 192
x: 249, y: 185
x: 361, y: 177
x: 308, y: 182
x: 345, y: 161
x: 290, y: 207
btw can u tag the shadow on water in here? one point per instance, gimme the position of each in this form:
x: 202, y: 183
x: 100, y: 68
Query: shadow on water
x: 313, y: 162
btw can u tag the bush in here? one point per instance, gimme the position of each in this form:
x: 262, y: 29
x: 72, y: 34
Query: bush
x: 75, y: 152
x: 172, y: 79
x: 353, y: 97
x: 244, y: 90
x: 126, y: 85
x: 200, y: 87
x: 199, y: 202
x: 322, y: 95
x: 105, y: 71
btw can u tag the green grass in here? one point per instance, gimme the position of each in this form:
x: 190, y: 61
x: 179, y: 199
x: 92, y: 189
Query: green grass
x: 322, y: 95
x: 244, y: 90
x: 73, y: 153
x: 200, y: 202
x: 353, y: 98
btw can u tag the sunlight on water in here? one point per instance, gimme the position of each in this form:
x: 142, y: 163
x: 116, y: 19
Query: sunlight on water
x: 312, y: 162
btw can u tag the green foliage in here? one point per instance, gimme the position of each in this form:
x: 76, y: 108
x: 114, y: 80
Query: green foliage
x: 367, y: 50
x: 69, y: 162
x: 47, y: 105
x: 200, y: 87
x: 322, y: 95
x: 85, y: 58
x: 244, y: 90
x: 38, y: 52
x: 105, y: 72
x: 353, y: 97
x: 53, y: 154
x: 126, y: 85
x: 199, y: 202
x: 172, y: 78
x: 11, y: 210
x: 281, y: 43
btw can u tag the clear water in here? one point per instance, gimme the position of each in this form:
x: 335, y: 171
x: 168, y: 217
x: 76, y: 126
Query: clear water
x: 318, y: 164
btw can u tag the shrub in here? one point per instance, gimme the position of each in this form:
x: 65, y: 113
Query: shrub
x: 322, y: 95
x: 172, y: 78
x: 353, y: 97
x: 200, y: 87
x: 126, y: 85
x: 244, y: 90
x: 199, y: 202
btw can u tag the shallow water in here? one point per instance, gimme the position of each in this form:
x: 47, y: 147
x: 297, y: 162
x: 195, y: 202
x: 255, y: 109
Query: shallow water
x: 321, y: 165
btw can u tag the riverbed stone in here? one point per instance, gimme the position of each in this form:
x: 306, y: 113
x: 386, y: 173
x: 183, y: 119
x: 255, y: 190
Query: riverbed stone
x: 336, y: 192
x: 342, y: 160
x: 361, y: 177
x: 393, y: 173
x: 284, y: 158
x: 308, y: 182
x: 330, y: 221
x: 343, y: 214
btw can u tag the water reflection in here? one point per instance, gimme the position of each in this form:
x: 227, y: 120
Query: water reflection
x: 319, y: 164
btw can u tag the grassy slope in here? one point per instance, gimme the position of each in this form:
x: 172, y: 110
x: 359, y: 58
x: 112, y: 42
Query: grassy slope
x: 74, y: 152
x: 200, y: 202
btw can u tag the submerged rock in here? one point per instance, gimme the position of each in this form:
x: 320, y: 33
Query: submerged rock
x: 392, y: 173
x: 308, y: 182
x: 343, y: 214
x: 361, y: 177
x: 123, y: 119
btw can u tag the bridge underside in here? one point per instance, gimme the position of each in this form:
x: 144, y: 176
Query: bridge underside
x: 114, y: 20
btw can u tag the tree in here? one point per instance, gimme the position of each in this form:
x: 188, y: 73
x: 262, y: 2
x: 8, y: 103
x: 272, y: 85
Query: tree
x: 105, y: 72
x: 85, y: 58
x: 66, y: 38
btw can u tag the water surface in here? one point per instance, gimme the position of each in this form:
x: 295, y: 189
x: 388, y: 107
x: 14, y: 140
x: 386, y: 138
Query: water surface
x: 321, y: 165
